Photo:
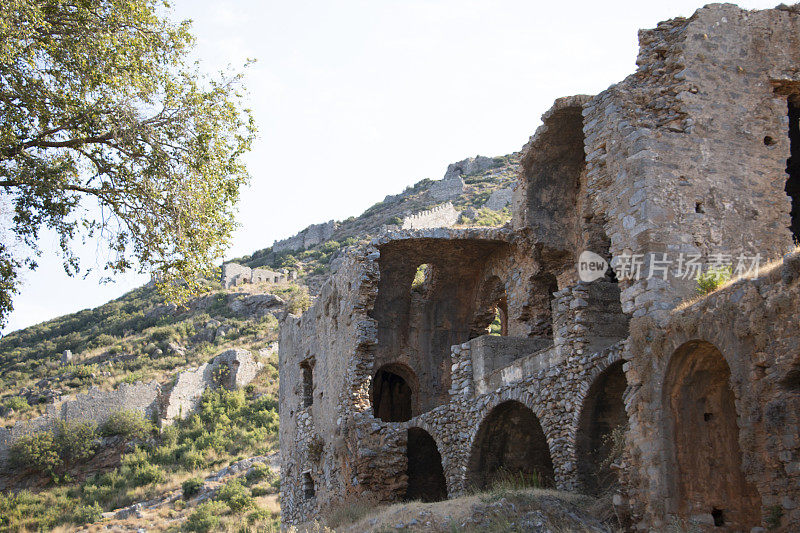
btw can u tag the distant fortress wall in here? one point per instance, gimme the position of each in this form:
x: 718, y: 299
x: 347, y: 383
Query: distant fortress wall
x: 443, y: 216
x: 234, y: 274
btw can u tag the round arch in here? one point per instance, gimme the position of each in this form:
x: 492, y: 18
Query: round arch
x: 702, y: 440
x: 510, y: 441
x: 601, y: 426
x: 394, y: 393
x: 426, y: 479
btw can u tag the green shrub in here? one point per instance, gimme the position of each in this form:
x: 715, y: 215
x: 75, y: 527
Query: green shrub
x: 76, y: 441
x: 259, y: 472
x: 260, y: 515
x: 17, y: 403
x: 205, y: 518
x: 192, y: 486
x: 49, y: 451
x: 37, y: 452
x: 713, y: 278
x: 86, y: 514
x: 163, y: 334
x: 128, y: 424
x: 236, y: 495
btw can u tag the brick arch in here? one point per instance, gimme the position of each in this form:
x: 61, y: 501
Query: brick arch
x: 446, y: 450
x: 426, y: 480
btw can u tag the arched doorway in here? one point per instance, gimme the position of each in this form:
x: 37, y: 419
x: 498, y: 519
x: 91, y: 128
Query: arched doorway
x: 425, y: 473
x: 510, y: 442
x: 702, y: 439
x: 393, y: 389
x: 600, y: 430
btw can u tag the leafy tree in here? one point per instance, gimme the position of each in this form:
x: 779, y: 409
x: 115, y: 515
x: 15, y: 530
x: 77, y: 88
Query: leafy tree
x: 108, y: 131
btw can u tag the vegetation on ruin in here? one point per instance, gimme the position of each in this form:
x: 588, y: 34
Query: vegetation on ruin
x: 228, y: 426
x: 109, y: 132
x: 713, y: 278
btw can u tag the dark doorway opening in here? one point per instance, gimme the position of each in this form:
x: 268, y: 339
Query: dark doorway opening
x: 793, y: 165
x: 425, y: 473
x: 392, y: 393
x: 510, y: 445
x: 601, y: 430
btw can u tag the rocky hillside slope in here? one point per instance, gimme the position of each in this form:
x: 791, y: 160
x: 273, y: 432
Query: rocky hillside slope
x: 210, y: 470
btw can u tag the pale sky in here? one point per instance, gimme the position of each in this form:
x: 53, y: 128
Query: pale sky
x: 355, y: 100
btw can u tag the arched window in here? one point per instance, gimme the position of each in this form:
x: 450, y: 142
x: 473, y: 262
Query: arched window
x: 491, y: 313
x: 393, y: 392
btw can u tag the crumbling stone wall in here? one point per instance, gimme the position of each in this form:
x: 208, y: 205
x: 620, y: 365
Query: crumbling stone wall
x: 93, y: 406
x: 311, y: 236
x: 235, y: 274
x: 686, y: 156
x: 442, y: 216
x: 752, y: 334
x: 230, y: 369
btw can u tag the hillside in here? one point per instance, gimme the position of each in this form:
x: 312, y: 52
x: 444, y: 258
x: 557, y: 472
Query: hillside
x: 138, y: 337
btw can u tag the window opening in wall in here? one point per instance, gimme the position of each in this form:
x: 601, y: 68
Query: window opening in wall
x: 308, y: 485
x: 392, y: 396
x: 718, y: 516
x: 499, y: 326
x: 422, y: 278
x: 308, y: 383
x: 793, y: 165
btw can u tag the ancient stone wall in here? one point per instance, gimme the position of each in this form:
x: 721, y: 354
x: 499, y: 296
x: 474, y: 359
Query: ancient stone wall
x: 442, y: 216
x: 750, y: 333
x: 230, y: 369
x: 311, y: 236
x: 94, y: 406
x: 687, y: 414
x: 235, y: 274
x: 688, y: 155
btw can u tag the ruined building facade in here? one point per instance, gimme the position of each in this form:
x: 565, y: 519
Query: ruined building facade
x: 391, y: 389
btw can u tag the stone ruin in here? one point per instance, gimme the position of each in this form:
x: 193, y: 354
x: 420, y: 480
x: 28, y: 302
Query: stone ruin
x: 684, y: 410
x: 441, y: 216
x: 231, y: 369
x: 234, y: 274
x: 311, y: 236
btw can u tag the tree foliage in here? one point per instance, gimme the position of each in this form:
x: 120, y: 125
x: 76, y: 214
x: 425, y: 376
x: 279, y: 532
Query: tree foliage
x: 108, y: 131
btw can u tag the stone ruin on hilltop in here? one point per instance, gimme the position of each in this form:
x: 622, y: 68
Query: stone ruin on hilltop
x: 391, y: 389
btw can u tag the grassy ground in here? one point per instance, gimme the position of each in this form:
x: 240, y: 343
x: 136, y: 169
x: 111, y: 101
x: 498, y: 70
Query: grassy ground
x: 228, y: 427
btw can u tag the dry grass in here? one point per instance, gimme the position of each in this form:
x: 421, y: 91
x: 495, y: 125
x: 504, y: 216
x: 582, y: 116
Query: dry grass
x: 456, y: 514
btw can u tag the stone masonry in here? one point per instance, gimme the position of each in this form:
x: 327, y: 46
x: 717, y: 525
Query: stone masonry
x: 442, y: 216
x: 436, y: 361
x: 231, y: 369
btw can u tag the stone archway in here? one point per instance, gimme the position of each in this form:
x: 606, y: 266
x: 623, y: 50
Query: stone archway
x: 510, y: 442
x: 426, y: 480
x: 704, y: 459
x: 600, y: 426
x: 393, y: 393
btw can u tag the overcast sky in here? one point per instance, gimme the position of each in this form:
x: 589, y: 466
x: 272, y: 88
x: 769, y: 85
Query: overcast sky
x: 355, y: 100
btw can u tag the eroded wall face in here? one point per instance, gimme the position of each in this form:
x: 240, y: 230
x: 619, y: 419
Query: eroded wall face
x: 688, y: 155
x: 417, y: 327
